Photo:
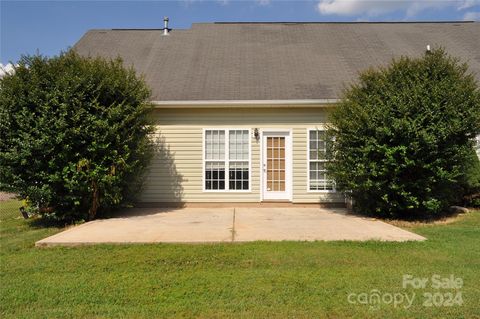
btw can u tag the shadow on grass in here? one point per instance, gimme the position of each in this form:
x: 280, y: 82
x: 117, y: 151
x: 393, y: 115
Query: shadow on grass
x: 446, y: 216
x: 48, y: 222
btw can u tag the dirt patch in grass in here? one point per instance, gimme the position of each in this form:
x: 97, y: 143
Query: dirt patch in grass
x: 6, y: 196
x: 441, y: 221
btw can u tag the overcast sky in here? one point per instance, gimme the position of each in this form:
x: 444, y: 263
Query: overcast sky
x: 48, y: 27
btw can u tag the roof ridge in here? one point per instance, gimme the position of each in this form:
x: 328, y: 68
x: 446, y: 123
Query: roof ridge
x: 336, y: 22
x: 135, y: 29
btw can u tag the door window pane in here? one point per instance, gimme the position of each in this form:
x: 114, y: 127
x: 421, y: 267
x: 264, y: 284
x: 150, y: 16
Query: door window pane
x: 276, y: 164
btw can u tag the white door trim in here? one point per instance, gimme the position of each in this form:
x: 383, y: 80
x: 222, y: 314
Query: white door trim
x: 288, y: 194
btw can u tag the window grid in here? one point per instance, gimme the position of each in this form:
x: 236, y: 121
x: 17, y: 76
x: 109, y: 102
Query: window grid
x: 238, y: 178
x: 215, y: 175
x: 238, y: 145
x: 238, y: 150
x: 318, y: 176
x: 215, y: 145
x: 227, y: 151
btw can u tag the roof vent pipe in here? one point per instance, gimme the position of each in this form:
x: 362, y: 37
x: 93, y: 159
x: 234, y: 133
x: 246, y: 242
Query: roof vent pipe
x: 165, y: 28
x: 428, y: 48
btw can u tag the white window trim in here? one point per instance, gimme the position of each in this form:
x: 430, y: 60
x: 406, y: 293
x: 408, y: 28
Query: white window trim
x: 334, y: 190
x: 227, y: 160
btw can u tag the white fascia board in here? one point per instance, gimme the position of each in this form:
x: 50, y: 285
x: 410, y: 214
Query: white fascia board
x: 245, y: 103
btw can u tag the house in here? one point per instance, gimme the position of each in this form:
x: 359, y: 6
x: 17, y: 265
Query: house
x: 241, y: 108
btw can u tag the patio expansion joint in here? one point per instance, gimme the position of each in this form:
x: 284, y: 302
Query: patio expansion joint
x: 233, y: 226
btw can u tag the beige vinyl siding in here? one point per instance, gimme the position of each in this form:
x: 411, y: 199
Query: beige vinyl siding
x: 176, y: 172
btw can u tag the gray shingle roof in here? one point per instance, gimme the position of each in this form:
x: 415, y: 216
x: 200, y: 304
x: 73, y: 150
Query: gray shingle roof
x: 272, y: 61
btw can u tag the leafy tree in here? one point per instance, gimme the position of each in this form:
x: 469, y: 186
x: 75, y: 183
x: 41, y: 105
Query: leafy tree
x: 74, y: 134
x: 402, y: 134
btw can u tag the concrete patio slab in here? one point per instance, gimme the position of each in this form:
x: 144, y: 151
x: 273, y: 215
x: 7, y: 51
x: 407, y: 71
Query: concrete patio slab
x: 308, y: 224
x: 187, y: 225
x: 241, y: 224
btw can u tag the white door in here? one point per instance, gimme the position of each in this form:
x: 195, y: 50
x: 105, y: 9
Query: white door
x: 277, y: 165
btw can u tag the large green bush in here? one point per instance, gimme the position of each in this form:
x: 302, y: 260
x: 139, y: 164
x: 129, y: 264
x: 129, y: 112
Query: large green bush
x: 470, y: 182
x: 403, y: 134
x: 74, y: 134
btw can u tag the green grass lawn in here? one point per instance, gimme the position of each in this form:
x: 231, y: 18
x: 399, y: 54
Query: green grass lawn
x: 261, y: 279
